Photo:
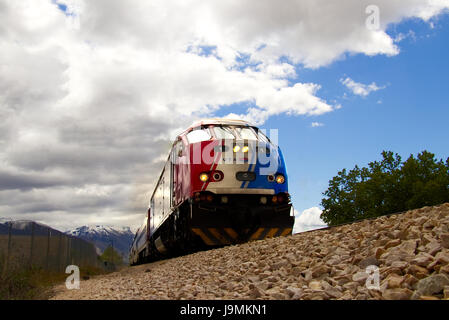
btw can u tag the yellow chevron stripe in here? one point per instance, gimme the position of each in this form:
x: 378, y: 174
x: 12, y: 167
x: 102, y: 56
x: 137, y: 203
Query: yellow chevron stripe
x: 286, y: 232
x: 217, y: 235
x: 205, y: 238
x: 271, y: 233
x: 257, y: 234
x: 231, y: 233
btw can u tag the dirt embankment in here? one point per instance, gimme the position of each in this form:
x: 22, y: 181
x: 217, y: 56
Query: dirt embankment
x: 410, y: 252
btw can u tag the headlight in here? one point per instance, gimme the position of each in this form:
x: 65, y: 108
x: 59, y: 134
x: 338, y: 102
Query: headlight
x: 204, y: 177
x: 236, y: 149
x: 245, y: 149
x: 280, y: 179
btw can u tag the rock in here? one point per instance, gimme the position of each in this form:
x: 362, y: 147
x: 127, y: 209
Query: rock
x: 292, y: 291
x: 443, y: 257
x: 394, y: 281
x: 320, y: 270
x: 397, y: 294
x: 410, y: 281
x: 330, y: 290
x: 408, y: 246
x: 431, y: 285
x: 430, y: 224
x: 296, y: 271
x: 433, y: 248
x: 360, y: 277
x: 446, y: 292
x: 370, y: 261
x: 341, y: 280
x: 417, y: 271
x: 255, y: 293
x: 392, y: 243
x: 315, y: 285
x: 400, y: 264
x: 351, y: 286
x: 278, y: 265
x: 356, y: 259
x: 308, y: 276
x: 428, y: 298
x: 444, y: 269
x: 389, y: 270
x: 379, y: 252
x: 440, y: 258
x: 423, y: 259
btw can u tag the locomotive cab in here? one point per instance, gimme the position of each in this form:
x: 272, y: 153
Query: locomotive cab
x: 239, y: 187
x: 224, y: 182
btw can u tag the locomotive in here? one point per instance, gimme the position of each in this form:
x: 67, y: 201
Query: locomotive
x: 224, y: 182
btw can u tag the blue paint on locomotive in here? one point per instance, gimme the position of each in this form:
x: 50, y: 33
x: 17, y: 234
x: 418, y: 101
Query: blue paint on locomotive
x: 274, y: 164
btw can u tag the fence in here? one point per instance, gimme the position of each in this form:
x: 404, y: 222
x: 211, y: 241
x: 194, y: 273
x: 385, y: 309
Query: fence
x: 32, y: 245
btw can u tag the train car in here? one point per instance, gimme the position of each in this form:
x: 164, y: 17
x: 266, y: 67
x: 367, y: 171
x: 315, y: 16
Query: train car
x: 224, y: 182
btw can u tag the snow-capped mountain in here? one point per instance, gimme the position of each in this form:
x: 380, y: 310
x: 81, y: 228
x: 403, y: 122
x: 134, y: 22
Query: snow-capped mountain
x: 103, y: 236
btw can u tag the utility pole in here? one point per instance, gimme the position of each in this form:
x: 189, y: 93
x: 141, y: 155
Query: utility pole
x: 8, y: 253
x: 112, y: 253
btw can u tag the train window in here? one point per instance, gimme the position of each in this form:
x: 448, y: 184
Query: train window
x: 223, y: 133
x: 179, y: 148
x: 246, y: 133
x: 262, y: 136
x: 198, y: 135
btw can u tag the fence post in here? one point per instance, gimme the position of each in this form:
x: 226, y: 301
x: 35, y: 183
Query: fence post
x: 48, y: 248
x: 31, y: 245
x: 68, y: 257
x: 8, y: 252
x: 58, y: 262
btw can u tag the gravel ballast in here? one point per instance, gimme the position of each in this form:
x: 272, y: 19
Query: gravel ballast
x: 408, y: 251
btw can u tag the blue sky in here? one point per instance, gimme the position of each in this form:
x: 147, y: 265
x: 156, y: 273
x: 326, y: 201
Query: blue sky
x: 94, y: 92
x: 408, y: 116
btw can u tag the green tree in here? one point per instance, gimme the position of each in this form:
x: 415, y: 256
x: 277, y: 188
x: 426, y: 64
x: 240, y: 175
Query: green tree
x: 386, y: 186
x: 111, y: 256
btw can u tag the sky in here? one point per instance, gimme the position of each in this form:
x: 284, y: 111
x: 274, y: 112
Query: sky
x: 93, y: 92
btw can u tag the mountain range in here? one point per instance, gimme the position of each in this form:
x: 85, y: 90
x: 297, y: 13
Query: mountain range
x: 104, y: 236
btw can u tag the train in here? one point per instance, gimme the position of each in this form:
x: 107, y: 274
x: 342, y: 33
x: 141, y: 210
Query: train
x: 225, y: 182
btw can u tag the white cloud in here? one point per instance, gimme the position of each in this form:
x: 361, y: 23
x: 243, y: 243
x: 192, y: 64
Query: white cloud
x: 308, y: 220
x: 360, y: 89
x: 317, y: 124
x: 89, y: 101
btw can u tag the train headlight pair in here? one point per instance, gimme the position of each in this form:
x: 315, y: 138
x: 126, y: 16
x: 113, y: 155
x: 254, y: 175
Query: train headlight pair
x: 280, y: 179
x: 216, y: 175
x: 245, y: 149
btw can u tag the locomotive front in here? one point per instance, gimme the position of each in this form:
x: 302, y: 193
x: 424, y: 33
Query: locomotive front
x: 238, y: 184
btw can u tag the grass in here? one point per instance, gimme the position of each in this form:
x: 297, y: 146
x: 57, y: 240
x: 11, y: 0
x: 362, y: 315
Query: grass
x: 22, y: 282
x: 36, y: 283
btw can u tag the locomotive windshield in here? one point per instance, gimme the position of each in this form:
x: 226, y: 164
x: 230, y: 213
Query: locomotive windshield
x: 198, y: 135
x: 246, y: 133
x: 224, y: 133
x: 234, y: 132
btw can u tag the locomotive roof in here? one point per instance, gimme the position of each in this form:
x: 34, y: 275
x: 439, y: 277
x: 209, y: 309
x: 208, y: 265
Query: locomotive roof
x: 219, y: 121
